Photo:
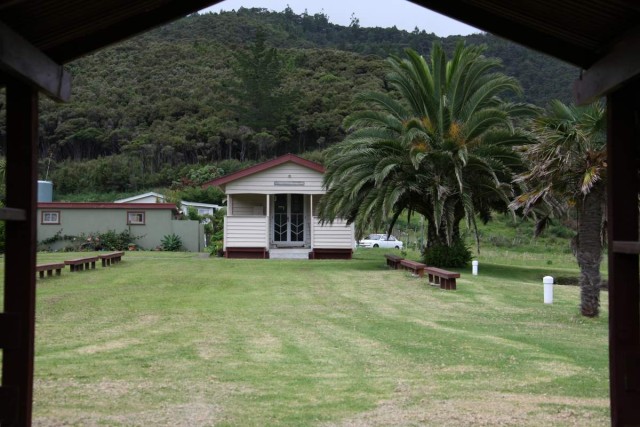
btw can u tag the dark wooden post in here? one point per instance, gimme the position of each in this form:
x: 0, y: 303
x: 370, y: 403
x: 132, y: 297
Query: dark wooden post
x: 20, y: 257
x: 623, y: 109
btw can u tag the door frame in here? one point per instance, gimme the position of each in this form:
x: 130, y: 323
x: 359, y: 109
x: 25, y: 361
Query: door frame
x: 272, y: 222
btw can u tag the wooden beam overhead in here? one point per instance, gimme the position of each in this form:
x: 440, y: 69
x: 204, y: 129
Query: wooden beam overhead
x: 529, y: 36
x: 23, y: 61
x: 620, y: 66
x: 129, y: 26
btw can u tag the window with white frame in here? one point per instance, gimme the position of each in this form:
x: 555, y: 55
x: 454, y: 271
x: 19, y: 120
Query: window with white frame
x: 50, y: 217
x: 135, y: 218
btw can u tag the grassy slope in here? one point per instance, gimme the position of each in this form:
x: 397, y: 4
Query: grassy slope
x: 177, y: 339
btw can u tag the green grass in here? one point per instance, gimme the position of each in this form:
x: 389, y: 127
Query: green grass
x: 178, y: 339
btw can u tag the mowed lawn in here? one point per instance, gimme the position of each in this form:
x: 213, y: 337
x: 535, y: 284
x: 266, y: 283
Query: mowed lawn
x: 183, y: 339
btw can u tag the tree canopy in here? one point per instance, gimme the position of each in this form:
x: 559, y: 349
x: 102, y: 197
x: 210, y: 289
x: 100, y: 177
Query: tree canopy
x: 567, y: 171
x: 440, y: 144
x: 178, y: 96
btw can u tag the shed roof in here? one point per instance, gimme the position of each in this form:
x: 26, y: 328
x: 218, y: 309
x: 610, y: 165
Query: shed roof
x: 125, y: 206
x: 140, y: 196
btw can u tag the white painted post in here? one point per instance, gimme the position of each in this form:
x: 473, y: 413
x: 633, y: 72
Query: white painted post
x: 548, y: 289
x: 474, y: 267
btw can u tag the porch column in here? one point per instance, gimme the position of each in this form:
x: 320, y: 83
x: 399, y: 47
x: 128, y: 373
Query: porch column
x: 623, y: 111
x: 268, y: 208
x: 268, y: 205
x: 17, y: 323
x: 312, y: 221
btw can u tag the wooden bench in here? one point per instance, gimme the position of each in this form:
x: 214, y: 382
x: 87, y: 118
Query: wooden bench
x: 446, y: 279
x: 57, y: 266
x: 393, y: 261
x: 416, y: 267
x: 80, y: 264
x: 111, y: 258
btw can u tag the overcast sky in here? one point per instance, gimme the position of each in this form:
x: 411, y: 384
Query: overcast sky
x: 371, y: 13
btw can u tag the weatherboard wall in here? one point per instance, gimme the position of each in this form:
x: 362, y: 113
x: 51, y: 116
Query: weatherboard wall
x: 86, y: 222
x: 338, y: 235
x: 249, y: 204
x: 282, y: 179
x: 245, y: 231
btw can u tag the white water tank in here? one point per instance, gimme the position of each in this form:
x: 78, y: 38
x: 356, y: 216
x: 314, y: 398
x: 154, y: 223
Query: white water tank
x: 45, y: 191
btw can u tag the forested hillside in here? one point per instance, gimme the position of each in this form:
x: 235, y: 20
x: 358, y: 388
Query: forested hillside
x: 234, y: 87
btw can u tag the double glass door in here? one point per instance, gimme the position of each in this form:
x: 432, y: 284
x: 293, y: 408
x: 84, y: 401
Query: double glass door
x: 288, y: 219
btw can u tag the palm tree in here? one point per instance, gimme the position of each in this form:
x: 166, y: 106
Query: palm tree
x: 568, y: 168
x: 440, y: 144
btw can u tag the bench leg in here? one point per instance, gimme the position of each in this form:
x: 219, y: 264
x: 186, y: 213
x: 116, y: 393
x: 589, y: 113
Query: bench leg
x: 420, y: 273
x: 41, y: 274
x: 49, y: 272
x: 58, y: 271
x: 448, y: 284
x: 93, y: 265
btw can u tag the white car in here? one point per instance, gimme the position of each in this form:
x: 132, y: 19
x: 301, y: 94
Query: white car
x: 380, y: 241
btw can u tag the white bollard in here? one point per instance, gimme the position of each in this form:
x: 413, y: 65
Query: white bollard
x: 548, y: 289
x: 474, y: 267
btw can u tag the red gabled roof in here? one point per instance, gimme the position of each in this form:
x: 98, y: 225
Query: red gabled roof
x: 264, y: 166
x: 100, y: 205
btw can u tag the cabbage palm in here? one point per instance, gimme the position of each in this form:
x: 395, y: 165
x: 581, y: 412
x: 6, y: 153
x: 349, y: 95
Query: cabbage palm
x: 440, y: 144
x: 568, y: 168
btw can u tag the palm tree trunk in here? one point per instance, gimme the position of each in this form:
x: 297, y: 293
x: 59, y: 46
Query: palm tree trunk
x: 436, y: 236
x: 589, y: 249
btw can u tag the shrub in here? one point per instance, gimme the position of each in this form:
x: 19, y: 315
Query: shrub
x: 192, y: 214
x: 212, y: 195
x: 171, y: 242
x: 216, y: 248
x: 109, y: 240
x: 457, y: 255
x: 116, y: 241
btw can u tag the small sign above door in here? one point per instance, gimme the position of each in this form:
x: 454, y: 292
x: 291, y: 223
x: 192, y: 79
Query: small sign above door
x: 289, y: 183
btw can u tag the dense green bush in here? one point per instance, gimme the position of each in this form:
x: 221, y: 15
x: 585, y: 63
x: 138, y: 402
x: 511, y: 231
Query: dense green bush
x: 210, y: 195
x: 107, y: 241
x: 457, y: 255
x: 192, y: 214
x: 115, y: 241
x: 216, y: 248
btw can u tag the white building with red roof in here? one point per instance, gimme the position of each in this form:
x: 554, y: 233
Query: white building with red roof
x: 272, y: 213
